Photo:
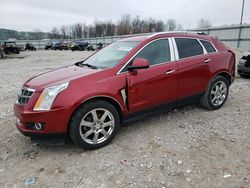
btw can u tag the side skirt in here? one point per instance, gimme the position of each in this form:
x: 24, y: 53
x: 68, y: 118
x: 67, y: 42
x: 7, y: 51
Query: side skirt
x: 162, y: 108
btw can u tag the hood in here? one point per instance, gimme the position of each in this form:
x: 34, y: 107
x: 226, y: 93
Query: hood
x: 58, y: 76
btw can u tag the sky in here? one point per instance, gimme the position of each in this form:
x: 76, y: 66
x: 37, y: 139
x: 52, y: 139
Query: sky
x: 28, y: 15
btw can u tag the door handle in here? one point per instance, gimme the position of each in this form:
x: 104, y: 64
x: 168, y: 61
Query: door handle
x: 170, y: 72
x: 207, y: 60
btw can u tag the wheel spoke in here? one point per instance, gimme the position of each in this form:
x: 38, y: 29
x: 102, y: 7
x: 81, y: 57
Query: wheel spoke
x: 88, y: 133
x: 213, y: 99
x: 94, y: 115
x: 96, y: 137
x: 213, y: 92
x: 107, y: 124
x: 86, y: 123
x: 105, y: 133
x: 217, y: 88
x: 104, y: 116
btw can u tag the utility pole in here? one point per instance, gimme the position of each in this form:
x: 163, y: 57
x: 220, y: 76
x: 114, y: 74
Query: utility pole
x: 241, y: 21
x: 242, y: 12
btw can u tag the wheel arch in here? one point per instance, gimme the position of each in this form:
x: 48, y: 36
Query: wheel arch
x: 109, y: 99
x: 225, y: 75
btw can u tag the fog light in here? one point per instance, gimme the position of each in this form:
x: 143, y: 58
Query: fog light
x: 38, y: 126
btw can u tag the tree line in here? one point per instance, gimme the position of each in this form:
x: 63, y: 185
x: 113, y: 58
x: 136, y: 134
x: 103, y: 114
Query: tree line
x: 125, y: 25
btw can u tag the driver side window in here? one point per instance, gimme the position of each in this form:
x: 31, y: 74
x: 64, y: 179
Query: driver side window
x: 156, y: 52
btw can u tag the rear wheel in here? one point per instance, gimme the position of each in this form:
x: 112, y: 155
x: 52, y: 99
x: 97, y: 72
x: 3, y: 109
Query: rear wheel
x: 94, y: 124
x: 216, y: 94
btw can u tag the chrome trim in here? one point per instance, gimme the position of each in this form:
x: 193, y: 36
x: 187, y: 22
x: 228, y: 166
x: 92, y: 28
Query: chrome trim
x: 124, y: 96
x: 175, y: 49
x: 170, y: 72
x: 28, y: 89
x: 23, y: 96
x: 204, y: 49
x: 207, y: 60
x: 173, y: 32
x: 103, y: 96
x: 170, y: 48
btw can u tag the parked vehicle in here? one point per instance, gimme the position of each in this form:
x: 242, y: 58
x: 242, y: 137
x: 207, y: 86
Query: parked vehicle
x: 79, y: 46
x: 56, y: 46
x: 61, y: 46
x: 10, y: 47
x: 244, y: 66
x: 48, y: 46
x: 129, y: 78
x: 90, y: 47
x: 99, y: 46
x: 30, y: 46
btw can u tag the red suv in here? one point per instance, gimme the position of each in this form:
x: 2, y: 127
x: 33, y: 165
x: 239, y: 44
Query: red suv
x: 129, y: 78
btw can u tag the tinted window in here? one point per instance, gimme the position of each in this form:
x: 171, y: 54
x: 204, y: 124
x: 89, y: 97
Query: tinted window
x: 188, y: 47
x: 156, y: 52
x: 208, y: 46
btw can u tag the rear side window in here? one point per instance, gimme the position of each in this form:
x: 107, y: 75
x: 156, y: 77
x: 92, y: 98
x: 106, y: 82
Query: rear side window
x: 156, y: 52
x: 188, y: 47
x: 208, y: 46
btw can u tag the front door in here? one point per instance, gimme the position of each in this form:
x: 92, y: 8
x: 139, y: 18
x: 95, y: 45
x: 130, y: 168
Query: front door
x: 157, y: 84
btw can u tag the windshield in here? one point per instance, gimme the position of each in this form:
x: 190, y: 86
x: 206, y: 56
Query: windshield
x: 111, y: 55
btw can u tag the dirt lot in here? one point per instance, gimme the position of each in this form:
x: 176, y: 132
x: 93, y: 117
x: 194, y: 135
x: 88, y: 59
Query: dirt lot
x: 187, y: 147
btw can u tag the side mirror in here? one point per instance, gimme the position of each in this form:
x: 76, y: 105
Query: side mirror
x: 139, y: 63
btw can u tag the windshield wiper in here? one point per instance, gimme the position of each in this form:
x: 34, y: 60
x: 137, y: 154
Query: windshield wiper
x: 86, y: 64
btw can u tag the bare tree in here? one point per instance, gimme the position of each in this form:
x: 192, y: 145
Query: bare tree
x: 63, y: 31
x: 159, y: 26
x: 78, y: 30
x: 54, y: 34
x: 91, y: 31
x: 171, y: 25
x: 204, y: 23
x: 85, y: 30
x: 151, y: 25
x: 136, y: 25
x: 110, y: 28
x: 124, y: 25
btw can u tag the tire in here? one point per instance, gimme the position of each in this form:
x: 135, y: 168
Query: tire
x: 216, y: 93
x: 244, y: 76
x: 87, y: 124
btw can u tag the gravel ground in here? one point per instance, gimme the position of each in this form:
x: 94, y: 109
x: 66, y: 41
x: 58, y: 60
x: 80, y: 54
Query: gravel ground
x: 186, y: 147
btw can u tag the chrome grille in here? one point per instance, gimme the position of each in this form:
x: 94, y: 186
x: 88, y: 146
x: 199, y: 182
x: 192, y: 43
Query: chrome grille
x: 25, y: 95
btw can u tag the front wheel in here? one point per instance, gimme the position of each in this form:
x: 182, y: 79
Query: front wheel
x: 216, y: 94
x: 94, y: 124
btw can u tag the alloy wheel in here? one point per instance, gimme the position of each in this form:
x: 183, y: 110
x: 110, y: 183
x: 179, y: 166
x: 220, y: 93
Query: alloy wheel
x: 97, y: 126
x: 218, y: 93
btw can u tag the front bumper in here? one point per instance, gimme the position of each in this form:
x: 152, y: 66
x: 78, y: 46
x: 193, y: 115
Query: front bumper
x: 55, y: 121
x: 242, y: 70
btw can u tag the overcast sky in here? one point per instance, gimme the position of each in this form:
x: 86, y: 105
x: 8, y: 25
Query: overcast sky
x: 27, y: 15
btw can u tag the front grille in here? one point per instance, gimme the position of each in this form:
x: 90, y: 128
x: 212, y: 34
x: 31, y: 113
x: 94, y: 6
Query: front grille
x: 25, y: 95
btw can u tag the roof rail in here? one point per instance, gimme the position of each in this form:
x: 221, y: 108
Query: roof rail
x: 177, y: 32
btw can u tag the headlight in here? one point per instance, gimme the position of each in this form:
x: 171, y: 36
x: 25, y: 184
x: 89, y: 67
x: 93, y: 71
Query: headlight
x: 48, y: 96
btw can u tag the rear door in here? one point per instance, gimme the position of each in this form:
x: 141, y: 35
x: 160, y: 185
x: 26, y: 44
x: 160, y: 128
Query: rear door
x: 193, y: 67
x: 157, y: 84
